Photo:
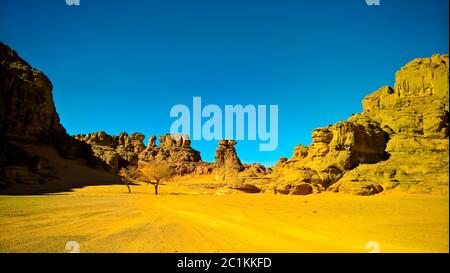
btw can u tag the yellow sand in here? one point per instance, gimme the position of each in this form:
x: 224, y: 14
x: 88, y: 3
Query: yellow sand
x: 185, y: 219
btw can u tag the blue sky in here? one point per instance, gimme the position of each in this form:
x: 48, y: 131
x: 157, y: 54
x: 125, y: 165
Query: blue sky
x: 121, y: 65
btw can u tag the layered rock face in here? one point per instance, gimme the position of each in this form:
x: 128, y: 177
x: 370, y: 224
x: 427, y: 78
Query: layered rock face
x: 27, y: 110
x: 399, y: 141
x: 28, y: 117
x: 415, y: 114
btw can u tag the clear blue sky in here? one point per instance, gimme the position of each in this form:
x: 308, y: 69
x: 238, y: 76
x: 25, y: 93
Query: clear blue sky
x: 121, y: 65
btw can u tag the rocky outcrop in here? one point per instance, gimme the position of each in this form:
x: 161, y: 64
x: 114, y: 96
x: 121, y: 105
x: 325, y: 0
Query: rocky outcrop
x: 415, y: 115
x: 27, y: 110
x: 172, y: 149
x: 124, y: 151
x: 176, y: 151
x: 117, y: 151
x: 227, y: 163
x: 399, y: 141
x: 230, y: 172
x: 226, y: 156
x: 334, y: 150
x: 28, y: 117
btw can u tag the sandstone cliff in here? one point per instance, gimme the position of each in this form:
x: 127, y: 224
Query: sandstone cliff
x: 28, y: 119
x: 27, y: 110
x: 400, y: 141
x: 415, y: 115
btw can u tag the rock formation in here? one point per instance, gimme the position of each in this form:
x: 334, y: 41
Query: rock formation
x: 28, y: 117
x: 176, y: 151
x: 172, y: 148
x: 229, y: 171
x: 415, y: 115
x: 399, y: 141
x: 226, y: 156
x: 227, y: 164
x: 27, y: 110
x: 124, y: 151
x: 334, y: 150
x: 116, y: 151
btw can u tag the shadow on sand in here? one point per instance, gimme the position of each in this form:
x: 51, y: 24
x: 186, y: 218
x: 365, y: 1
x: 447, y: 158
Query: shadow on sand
x: 58, y: 186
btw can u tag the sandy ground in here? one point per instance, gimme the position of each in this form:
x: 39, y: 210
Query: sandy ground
x: 184, y: 219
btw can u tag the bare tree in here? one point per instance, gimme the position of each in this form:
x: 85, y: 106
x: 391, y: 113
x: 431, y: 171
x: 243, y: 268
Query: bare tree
x: 155, y: 173
x: 125, y: 175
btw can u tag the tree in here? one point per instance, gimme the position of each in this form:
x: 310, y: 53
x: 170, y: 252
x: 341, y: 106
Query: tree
x: 127, y: 176
x: 155, y: 173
